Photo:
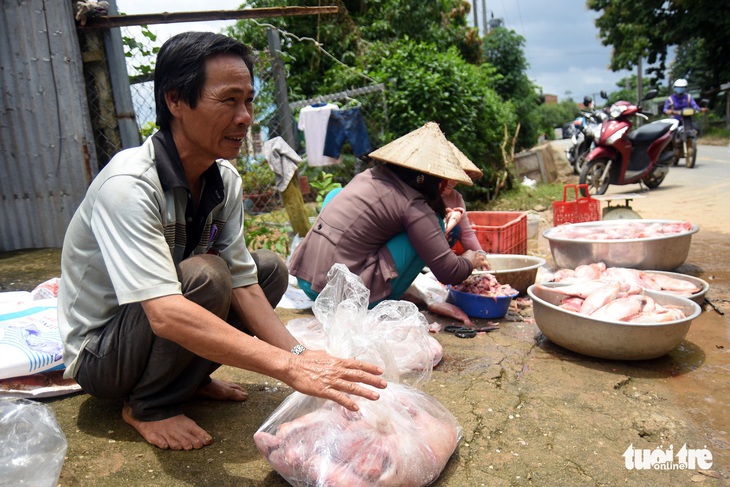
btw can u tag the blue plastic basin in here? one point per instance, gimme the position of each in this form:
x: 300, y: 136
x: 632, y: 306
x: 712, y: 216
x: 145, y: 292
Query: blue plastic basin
x: 477, y: 306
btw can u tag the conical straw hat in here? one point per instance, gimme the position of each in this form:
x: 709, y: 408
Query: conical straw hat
x: 426, y: 150
x: 469, y: 167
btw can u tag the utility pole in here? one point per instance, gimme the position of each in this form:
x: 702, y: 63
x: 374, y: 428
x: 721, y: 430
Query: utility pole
x: 484, y: 16
x: 476, y: 17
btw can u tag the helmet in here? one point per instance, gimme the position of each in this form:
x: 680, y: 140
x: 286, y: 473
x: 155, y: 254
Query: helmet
x: 587, y: 101
x: 680, y: 85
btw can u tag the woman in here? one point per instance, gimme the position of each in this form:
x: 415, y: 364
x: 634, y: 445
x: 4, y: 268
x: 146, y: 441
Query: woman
x: 387, y: 223
x: 458, y: 226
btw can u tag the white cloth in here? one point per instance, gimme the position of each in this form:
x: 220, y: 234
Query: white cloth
x: 313, y: 122
x: 282, y: 159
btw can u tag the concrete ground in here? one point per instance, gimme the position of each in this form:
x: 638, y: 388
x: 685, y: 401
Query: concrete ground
x: 532, y: 413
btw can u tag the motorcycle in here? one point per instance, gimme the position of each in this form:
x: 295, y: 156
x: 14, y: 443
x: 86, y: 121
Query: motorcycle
x: 685, y: 139
x: 622, y: 157
x: 583, y: 141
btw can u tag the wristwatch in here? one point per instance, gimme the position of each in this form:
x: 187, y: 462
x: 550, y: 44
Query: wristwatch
x: 298, y: 349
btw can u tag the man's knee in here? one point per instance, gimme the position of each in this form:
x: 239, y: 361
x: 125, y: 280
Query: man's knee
x: 273, y: 275
x: 206, y: 280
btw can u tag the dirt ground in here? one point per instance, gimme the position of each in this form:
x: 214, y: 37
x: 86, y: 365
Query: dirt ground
x: 531, y: 412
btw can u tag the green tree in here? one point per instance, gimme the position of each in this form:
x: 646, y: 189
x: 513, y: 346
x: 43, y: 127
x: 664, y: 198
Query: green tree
x: 648, y: 28
x: 553, y: 115
x: 504, y: 49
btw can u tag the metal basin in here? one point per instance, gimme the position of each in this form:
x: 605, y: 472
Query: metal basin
x: 699, y: 296
x: 517, y: 270
x: 663, y: 253
x: 613, y: 340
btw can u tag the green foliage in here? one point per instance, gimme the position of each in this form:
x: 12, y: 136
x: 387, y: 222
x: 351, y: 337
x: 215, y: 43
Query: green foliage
x: 256, y: 175
x: 323, y: 184
x: 554, y: 115
x: 647, y: 28
x: 143, y: 53
x: 504, y: 49
x: 148, y: 129
x: 260, y: 235
x: 430, y: 85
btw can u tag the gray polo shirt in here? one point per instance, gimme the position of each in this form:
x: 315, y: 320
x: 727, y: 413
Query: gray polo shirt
x: 134, y: 225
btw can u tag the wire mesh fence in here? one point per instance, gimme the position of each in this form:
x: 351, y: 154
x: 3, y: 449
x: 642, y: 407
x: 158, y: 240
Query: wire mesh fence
x: 267, y: 220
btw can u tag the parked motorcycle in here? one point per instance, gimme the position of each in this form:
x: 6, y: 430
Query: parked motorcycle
x: 622, y: 157
x: 583, y: 141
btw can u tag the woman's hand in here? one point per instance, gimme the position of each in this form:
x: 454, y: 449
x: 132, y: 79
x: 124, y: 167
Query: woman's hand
x: 478, y: 259
x: 319, y: 374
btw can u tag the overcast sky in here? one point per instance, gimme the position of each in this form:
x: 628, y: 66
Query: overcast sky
x: 566, y: 57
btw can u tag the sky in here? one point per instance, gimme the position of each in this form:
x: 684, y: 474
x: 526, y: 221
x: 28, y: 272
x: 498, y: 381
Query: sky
x: 565, y: 56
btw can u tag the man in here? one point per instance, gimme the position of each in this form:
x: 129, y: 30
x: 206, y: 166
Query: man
x: 157, y: 286
x: 680, y: 100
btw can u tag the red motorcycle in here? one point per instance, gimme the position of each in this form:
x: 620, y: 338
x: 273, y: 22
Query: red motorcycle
x: 623, y: 157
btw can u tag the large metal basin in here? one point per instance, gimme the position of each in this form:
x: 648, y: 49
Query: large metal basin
x: 663, y: 253
x: 613, y: 340
x: 517, y: 270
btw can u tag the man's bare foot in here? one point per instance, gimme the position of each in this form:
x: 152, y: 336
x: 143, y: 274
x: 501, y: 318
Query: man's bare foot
x: 223, y: 391
x: 175, y: 433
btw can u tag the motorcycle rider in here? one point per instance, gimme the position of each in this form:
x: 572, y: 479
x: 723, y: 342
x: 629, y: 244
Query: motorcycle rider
x: 679, y: 100
x: 673, y: 106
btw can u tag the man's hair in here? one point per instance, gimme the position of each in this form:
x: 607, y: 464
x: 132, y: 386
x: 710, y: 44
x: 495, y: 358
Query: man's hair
x: 180, y: 67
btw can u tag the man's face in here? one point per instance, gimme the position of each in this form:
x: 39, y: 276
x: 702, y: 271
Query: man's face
x: 217, y: 127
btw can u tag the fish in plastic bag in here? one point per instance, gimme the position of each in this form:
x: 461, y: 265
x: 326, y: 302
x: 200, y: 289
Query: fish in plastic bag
x: 404, y: 438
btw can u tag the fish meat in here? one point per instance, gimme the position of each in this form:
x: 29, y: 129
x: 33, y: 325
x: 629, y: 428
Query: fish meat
x: 600, y: 297
x: 621, y: 309
x: 404, y: 438
x: 632, y: 278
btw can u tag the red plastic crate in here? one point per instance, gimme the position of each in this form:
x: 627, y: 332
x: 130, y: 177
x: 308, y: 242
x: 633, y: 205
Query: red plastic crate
x: 500, y: 232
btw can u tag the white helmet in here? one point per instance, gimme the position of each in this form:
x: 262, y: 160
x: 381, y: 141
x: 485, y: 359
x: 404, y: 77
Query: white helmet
x: 680, y: 83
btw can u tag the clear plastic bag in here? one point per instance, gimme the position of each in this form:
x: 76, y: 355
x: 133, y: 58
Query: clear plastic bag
x: 404, y: 438
x: 33, y: 446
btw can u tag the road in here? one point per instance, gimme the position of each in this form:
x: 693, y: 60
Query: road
x: 689, y: 194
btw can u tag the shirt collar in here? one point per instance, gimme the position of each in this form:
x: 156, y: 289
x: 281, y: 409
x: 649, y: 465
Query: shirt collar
x: 170, y: 168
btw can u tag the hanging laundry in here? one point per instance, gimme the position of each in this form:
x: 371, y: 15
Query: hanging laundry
x: 346, y: 125
x: 313, y: 122
x: 283, y: 160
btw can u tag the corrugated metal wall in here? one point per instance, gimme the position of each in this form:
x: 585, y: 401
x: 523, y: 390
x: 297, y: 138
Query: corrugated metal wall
x: 47, y: 155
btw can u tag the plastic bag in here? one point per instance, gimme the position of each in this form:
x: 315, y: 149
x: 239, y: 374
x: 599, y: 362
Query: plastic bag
x: 34, y: 445
x: 393, y: 335
x: 404, y: 438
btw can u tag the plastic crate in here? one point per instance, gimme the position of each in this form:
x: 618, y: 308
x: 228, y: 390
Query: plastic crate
x: 581, y: 209
x: 500, y: 232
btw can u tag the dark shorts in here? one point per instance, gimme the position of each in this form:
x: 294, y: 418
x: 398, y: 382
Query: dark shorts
x: 346, y: 125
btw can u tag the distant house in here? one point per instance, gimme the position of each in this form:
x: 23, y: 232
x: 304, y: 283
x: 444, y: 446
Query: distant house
x: 550, y: 99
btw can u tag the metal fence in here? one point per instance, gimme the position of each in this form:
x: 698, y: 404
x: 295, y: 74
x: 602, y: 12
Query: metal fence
x: 263, y: 203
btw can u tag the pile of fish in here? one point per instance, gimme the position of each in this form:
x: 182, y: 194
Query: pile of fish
x: 633, y: 278
x: 621, y: 231
x: 404, y: 438
x: 485, y: 285
x: 612, y: 301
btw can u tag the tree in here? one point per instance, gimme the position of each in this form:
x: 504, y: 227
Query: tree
x: 648, y: 28
x: 504, y: 49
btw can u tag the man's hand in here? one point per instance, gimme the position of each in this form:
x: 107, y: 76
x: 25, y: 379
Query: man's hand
x: 319, y: 374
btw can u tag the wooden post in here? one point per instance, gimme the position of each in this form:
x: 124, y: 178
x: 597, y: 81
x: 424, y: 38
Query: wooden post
x: 292, y: 196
